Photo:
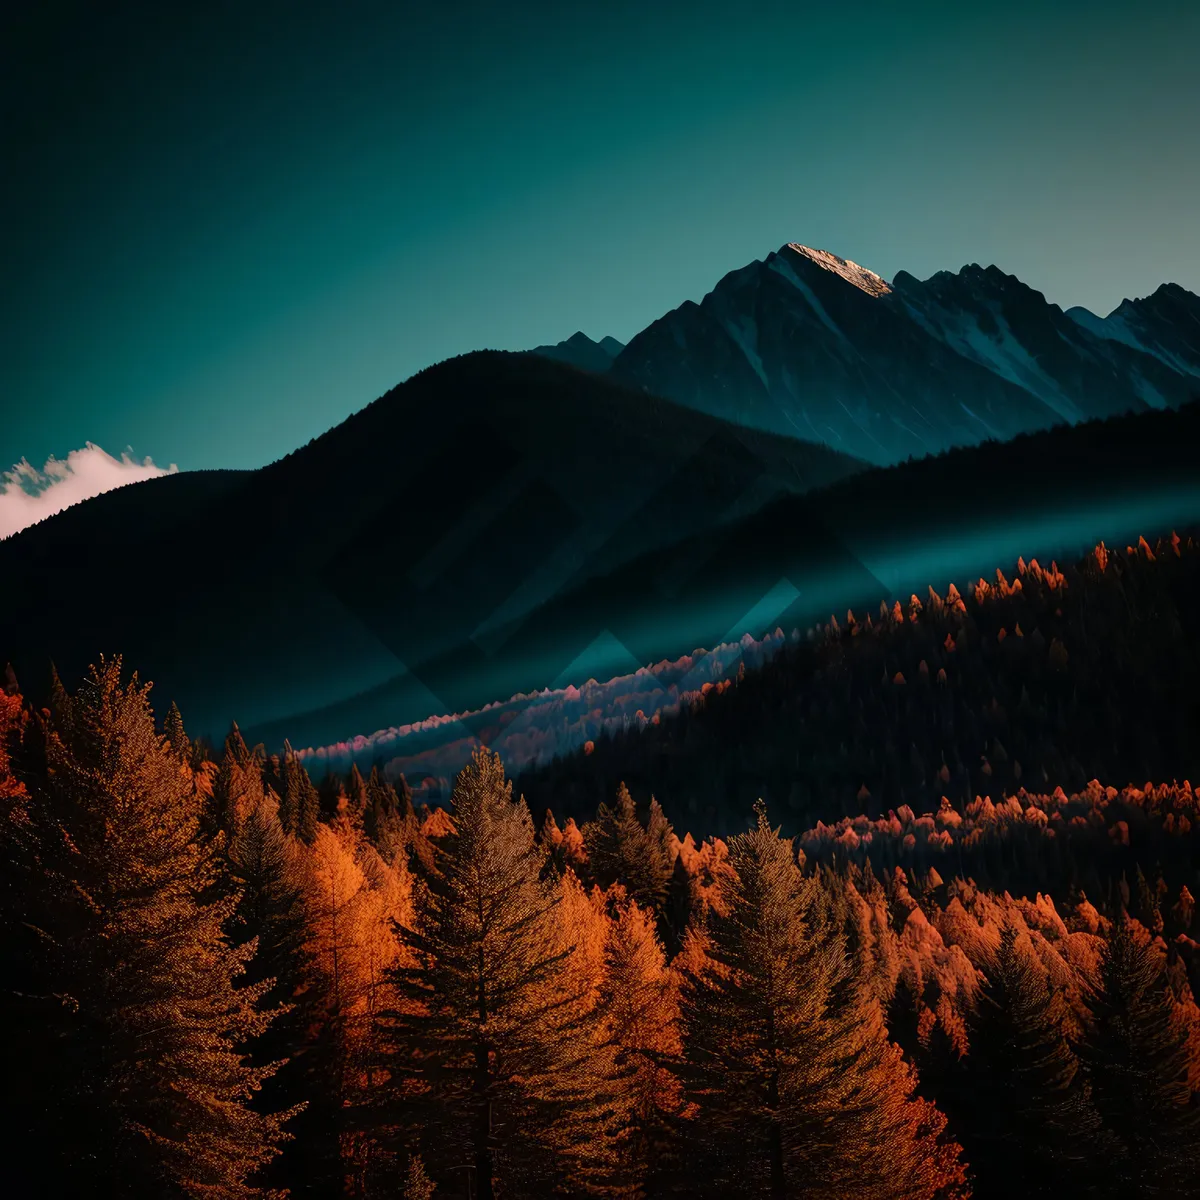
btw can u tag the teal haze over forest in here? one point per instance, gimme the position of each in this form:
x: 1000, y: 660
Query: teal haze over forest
x: 227, y: 227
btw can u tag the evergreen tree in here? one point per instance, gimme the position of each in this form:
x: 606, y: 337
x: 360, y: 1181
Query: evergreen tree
x: 1137, y: 1052
x: 385, y: 820
x: 417, y: 1184
x: 141, y: 1009
x: 1026, y: 1117
x: 357, y: 797
x: 300, y: 811
x: 175, y: 732
x: 501, y: 1072
x: 235, y: 746
x: 238, y: 787
x: 796, y: 1089
x: 264, y: 864
x: 620, y: 850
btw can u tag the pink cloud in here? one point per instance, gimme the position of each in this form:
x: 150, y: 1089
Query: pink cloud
x: 28, y: 495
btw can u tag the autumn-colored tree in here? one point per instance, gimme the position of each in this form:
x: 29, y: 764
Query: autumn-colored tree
x: 142, y: 1008
x: 417, y: 1184
x: 352, y: 900
x: 500, y: 1064
x: 574, y: 851
x: 621, y: 850
x: 238, y: 787
x: 795, y: 1086
x: 640, y: 1002
x: 21, y: 1107
x: 1136, y: 1050
x: 194, y: 763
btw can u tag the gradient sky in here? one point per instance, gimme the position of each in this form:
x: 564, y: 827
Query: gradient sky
x: 227, y: 226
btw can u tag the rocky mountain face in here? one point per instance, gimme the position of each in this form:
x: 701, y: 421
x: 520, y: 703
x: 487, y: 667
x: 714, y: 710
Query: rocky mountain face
x: 1165, y: 325
x: 815, y: 346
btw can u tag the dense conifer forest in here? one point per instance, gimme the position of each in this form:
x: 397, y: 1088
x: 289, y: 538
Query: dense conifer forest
x: 906, y: 913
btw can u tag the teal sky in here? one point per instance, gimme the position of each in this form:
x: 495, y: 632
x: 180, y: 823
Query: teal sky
x: 224, y: 230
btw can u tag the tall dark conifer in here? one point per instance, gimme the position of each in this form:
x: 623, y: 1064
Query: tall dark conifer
x: 1137, y: 1053
x: 621, y: 850
x: 300, y: 810
x: 1027, y: 1121
x: 797, y: 1090
x: 504, y: 1078
x: 383, y: 820
x: 141, y: 1013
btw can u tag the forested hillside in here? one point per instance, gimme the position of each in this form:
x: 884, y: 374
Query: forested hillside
x: 222, y: 979
x: 1050, y: 678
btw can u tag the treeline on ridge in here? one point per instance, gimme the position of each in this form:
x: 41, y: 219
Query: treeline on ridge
x: 1052, y: 678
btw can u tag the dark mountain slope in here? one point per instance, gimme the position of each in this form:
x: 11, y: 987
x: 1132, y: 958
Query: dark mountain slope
x: 425, y: 524
x: 882, y: 534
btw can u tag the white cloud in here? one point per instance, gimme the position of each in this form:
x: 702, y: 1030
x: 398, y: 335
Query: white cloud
x: 28, y: 495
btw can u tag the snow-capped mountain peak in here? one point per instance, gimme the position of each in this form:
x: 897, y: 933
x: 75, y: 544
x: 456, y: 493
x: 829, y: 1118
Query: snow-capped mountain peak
x: 867, y: 281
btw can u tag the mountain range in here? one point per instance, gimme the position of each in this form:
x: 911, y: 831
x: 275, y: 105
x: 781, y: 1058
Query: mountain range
x: 392, y: 557
x: 674, y: 620
x: 814, y: 346
x: 502, y: 523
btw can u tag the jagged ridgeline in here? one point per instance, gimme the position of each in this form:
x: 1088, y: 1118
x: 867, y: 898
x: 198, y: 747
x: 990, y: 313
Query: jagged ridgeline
x: 1053, y: 677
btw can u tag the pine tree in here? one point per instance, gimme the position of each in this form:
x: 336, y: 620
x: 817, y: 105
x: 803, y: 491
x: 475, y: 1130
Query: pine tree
x: 175, y: 732
x: 620, y: 850
x: 417, y: 1184
x: 142, y: 1011
x: 353, y: 902
x: 1137, y: 1053
x: 795, y: 1086
x: 384, y: 820
x: 501, y: 1071
x: 235, y: 746
x: 334, y: 898
x: 1026, y: 1116
x: 238, y: 787
x: 661, y: 837
x: 357, y: 797
x: 300, y: 811
x: 265, y: 866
